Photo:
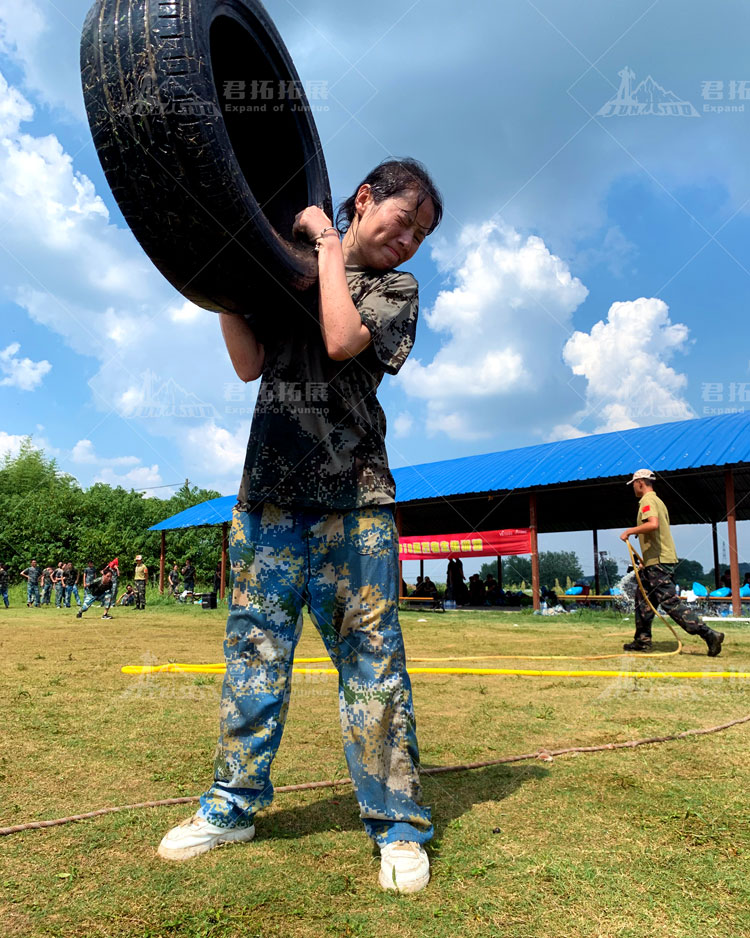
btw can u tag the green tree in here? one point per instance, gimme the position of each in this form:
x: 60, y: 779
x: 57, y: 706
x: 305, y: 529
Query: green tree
x: 39, y: 505
x: 688, y: 571
x: 47, y: 515
x: 553, y: 564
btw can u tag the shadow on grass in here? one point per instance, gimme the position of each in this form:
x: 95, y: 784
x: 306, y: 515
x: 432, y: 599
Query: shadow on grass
x: 450, y: 796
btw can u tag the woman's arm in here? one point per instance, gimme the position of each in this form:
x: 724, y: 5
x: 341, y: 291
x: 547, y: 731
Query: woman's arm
x: 344, y: 333
x: 245, y: 351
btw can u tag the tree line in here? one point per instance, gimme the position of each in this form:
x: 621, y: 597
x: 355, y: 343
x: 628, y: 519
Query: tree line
x: 563, y: 564
x: 47, y: 515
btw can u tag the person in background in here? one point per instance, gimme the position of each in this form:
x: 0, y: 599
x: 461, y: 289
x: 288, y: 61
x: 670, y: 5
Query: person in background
x: 4, y: 578
x: 140, y: 578
x: 31, y: 575
x: 217, y: 579
x: 47, y: 584
x: 89, y: 574
x: 58, y: 581
x: 71, y: 585
x: 114, y: 568
x: 657, y: 572
x: 188, y: 577
x: 174, y: 580
x: 98, y: 589
x: 128, y: 598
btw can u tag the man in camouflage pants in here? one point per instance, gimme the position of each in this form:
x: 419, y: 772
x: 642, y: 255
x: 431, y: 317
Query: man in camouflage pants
x: 657, y: 572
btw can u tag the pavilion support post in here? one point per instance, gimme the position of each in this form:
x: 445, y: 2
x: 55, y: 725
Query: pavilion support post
x: 534, y: 551
x: 224, y: 545
x: 596, y: 563
x: 499, y: 572
x: 715, y: 539
x: 162, y: 559
x: 421, y: 567
x: 734, y: 567
x: 399, y: 531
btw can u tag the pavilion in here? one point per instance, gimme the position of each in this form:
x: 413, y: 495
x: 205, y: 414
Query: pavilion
x: 702, y: 468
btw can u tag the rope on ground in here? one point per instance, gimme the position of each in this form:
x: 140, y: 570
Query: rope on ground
x: 546, y: 755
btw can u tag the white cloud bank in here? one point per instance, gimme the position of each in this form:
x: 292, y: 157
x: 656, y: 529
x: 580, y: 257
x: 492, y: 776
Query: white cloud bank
x: 81, y: 276
x: 22, y: 373
x: 625, y: 363
x: 510, y: 348
x: 505, y: 321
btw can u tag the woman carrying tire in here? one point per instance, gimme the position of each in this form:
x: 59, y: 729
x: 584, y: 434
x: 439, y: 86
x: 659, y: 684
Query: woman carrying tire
x: 314, y: 525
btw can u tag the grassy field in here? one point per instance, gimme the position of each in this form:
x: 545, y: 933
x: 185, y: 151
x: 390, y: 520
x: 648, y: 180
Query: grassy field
x: 649, y: 842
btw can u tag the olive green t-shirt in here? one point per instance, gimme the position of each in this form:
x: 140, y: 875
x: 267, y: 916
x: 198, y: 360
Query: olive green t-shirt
x: 656, y: 546
x: 317, y: 439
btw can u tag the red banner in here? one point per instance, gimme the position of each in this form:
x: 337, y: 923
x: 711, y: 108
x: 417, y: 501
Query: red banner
x: 473, y: 544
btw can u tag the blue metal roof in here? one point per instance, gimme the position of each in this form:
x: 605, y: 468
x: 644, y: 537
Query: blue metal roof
x: 214, y: 511
x: 667, y: 447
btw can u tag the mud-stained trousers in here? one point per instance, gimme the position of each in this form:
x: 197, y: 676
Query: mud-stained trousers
x: 345, y: 566
x: 658, y: 582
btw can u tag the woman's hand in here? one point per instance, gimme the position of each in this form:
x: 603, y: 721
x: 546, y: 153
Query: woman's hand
x: 310, y: 222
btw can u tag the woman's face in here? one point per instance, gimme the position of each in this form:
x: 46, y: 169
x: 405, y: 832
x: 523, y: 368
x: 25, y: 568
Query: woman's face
x: 387, y: 234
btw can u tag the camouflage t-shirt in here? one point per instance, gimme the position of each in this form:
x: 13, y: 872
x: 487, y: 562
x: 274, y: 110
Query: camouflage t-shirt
x: 318, y: 435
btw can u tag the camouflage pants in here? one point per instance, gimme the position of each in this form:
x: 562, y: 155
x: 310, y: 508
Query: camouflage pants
x: 659, y: 584
x: 140, y: 594
x: 344, y: 565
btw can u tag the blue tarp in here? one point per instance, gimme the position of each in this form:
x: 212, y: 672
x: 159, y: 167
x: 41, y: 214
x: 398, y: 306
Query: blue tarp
x: 214, y: 511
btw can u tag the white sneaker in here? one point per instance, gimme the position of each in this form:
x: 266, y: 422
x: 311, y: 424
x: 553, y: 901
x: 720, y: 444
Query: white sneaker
x: 404, y: 866
x: 196, y: 835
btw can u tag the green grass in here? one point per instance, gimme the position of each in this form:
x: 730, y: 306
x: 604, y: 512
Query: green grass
x: 648, y: 842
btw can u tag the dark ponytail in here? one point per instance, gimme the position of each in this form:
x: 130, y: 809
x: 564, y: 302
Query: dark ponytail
x: 391, y: 178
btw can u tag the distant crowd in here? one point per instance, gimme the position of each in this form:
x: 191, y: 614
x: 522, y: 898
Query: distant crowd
x: 98, y: 586
x: 474, y: 592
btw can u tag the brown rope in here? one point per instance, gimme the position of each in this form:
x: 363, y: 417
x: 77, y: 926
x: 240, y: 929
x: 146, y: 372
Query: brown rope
x: 544, y: 754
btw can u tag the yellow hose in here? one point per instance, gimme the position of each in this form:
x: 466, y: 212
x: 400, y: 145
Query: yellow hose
x: 220, y: 668
x: 173, y: 668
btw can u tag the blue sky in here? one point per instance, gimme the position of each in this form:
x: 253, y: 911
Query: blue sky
x: 591, y: 273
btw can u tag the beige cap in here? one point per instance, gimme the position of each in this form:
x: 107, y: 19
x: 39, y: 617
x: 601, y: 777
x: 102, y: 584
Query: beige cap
x: 646, y: 474
x: 138, y: 557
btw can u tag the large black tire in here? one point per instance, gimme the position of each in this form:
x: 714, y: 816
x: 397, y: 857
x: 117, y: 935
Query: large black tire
x: 209, y: 190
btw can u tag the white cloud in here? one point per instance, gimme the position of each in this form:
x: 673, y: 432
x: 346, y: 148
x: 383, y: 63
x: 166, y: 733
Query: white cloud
x: 10, y: 443
x: 142, y: 477
x: 79, y: 275
x: 215, y: 449
x: 505, y: 318
x: 42, y: 37
x: 22, y: 373
x: 403, y: 424
x: 625, y: 363
x: 84, y: 453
